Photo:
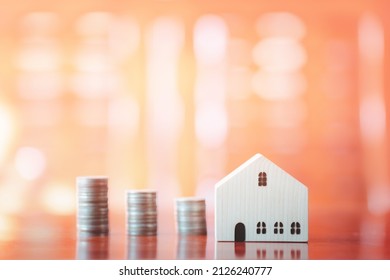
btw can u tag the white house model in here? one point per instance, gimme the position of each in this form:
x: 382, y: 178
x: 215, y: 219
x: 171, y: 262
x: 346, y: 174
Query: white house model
x: 261, y: 202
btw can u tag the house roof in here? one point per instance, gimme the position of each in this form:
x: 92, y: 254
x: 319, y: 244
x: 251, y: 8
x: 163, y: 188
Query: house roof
x: 246, y: 164
x: 238, y: 169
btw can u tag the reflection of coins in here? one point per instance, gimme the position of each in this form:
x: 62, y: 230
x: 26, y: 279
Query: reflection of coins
x: 92, y: 205
x: 141, y: 247
x: 92, y: 246
x: 190, y: 213
x: 141, y: 209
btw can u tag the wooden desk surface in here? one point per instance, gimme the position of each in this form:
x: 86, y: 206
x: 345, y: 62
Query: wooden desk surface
x: 332, y: 235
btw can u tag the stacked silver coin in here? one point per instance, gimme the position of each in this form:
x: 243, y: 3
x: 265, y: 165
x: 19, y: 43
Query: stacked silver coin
x: 141, y: 212
x: 191, y: 216
x: 92, y: 205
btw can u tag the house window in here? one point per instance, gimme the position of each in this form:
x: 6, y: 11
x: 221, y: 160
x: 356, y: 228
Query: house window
x: 261, y: 228
x: 262, y: 182
x: 295, y: 228
x: 278, y: 228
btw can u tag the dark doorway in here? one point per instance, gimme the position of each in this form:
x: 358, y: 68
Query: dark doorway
x: 239, y: 233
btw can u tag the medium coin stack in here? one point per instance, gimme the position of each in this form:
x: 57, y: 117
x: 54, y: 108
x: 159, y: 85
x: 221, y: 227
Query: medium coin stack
x: 191, y: 216
x: 92, y: 205
x: 141, y: 212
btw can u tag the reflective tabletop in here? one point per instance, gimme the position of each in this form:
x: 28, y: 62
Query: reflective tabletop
x: 333, y: 234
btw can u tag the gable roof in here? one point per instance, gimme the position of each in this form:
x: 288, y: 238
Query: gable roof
x: 238, y: 169
x: 246, y: 164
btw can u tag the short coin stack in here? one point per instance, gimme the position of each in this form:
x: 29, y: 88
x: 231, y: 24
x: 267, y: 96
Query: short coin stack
x: 191, y: 216
x: 141, y: 212
x: 92, y: 206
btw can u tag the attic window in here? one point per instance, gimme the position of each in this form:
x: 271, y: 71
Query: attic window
x: 278, y: 228
x: 262, y: 182
x: 295, y: 228
x: 261, y: 228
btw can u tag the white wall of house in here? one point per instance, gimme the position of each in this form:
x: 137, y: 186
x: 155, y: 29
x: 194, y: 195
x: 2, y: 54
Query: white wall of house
x: 239, y: 199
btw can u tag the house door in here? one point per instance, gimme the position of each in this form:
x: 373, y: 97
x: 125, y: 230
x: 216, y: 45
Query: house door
x: 239, y: 232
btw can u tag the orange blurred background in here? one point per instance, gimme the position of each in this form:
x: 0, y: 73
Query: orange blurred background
x: 173, y: 95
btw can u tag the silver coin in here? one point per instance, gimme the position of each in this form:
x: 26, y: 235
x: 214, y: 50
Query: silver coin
x: 93, y: 204
x: 146, y: 233
x: 140, y: 199
x: 92, y: 199
x: 142, y: 227
x: 190, y: 216
x: 86, y: 203
x: 189, y: 202
x: 190, y: 208
x: 187, y: 229
x: 87, y: 211
x: 190, y: 213
x: 142, y: 213
x: 92, y: 193
x: 146, y: 218
x: 200, y: 230
x: 96, y: 220
x: 191, y: 226
x: 140, y: 217
x: 141, y: 203
x: 101, y: 228
x: 91, y: 187
x: 193, y: 233
x: 142, y: 206
x: 92, y: 210
x: 190, y: 219
x: 96, y: 179
x: 91, y: 224
x: 92, y: 213
x: 92, y: 219
x: 82, y: 198
x: 139, y: 220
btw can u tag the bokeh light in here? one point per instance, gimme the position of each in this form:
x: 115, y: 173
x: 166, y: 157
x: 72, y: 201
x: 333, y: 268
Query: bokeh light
x: 30, y: 163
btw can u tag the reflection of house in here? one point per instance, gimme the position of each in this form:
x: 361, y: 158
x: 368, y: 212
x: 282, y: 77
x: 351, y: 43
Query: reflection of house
x: 260, y: 202
x: 261, y: 251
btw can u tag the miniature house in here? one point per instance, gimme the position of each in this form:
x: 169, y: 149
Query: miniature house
x: 261, y: 202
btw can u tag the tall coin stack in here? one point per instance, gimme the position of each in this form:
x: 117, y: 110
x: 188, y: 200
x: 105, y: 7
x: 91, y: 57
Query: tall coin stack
x: 92, y: 205
x: 191, y: 216
x: 141, y: 212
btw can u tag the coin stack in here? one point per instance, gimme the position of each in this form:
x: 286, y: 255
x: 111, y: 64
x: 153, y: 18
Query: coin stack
x: 92, y: 210
x: 191, y: 216
x: 141, y: 212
